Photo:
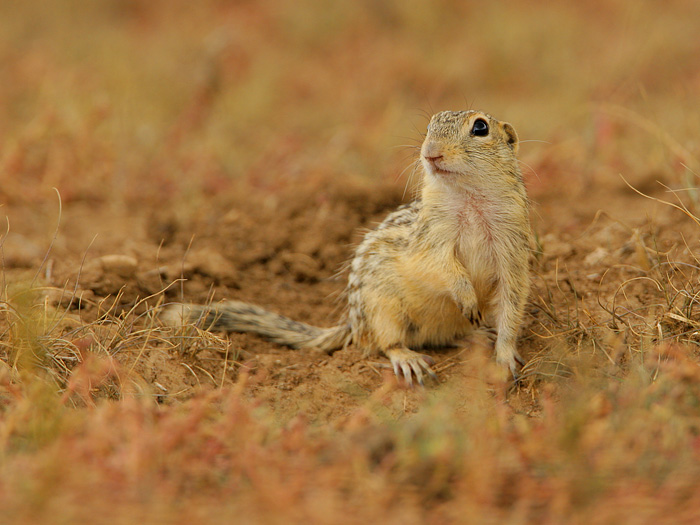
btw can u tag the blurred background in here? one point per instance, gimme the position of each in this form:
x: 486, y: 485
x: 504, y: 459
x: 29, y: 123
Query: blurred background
x: 128, y: 101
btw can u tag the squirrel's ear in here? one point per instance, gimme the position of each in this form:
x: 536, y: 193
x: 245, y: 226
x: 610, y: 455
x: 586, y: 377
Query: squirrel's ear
x: 511, y: 136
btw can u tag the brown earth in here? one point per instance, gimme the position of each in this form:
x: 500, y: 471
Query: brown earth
x: 285, y: 248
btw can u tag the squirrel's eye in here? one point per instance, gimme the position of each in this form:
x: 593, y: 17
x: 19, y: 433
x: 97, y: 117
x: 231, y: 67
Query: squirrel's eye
x: 480, y: 128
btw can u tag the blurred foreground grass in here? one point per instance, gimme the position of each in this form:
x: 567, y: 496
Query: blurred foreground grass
x: 602, y: 451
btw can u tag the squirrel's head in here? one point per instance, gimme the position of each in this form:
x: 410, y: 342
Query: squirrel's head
x: 469, y: 144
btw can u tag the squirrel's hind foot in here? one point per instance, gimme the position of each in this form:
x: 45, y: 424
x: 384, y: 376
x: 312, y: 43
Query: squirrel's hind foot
x: 407, y: 363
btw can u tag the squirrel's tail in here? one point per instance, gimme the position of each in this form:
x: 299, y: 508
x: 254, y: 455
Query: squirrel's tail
x: 237, y: 316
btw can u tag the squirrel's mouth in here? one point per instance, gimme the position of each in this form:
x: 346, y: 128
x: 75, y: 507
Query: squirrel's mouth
x: 435, y: 170
x: 434, y: 165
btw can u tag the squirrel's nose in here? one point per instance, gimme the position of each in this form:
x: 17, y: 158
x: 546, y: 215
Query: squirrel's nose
x: 431, y: 151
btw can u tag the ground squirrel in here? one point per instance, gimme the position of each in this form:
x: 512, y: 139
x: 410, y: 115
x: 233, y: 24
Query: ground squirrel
x: 452, y: 260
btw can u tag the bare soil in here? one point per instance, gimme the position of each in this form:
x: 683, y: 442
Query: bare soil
x: 285, y: 249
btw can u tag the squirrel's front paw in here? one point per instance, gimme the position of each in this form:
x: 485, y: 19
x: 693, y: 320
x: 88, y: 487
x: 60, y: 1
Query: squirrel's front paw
x: 473, y: 314
x: 512, y: 360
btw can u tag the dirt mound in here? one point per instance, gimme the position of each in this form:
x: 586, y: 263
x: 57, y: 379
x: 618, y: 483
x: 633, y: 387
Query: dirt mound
x: 286, y: 249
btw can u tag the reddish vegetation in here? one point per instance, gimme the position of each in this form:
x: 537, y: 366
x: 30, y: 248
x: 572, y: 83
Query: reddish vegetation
x: 214, y: 150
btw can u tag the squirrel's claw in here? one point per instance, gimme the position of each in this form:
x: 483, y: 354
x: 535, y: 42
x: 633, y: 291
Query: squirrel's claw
x: 407, y: 363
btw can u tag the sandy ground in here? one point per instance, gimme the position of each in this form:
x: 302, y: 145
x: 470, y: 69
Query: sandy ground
x: 285, y: 249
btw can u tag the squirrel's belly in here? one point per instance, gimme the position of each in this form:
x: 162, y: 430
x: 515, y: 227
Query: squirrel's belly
x: 432, y: 317
x: 477, y: 254
x: 434, y: 322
